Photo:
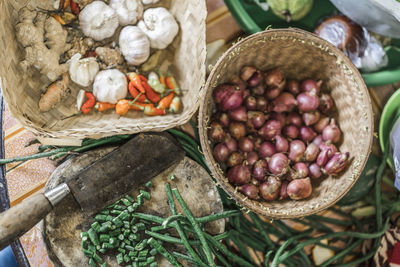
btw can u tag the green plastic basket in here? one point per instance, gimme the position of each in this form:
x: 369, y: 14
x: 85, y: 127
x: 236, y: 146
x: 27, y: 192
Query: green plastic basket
x: 253, y: 18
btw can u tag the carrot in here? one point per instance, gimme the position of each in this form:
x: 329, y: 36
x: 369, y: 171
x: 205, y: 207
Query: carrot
x: 103, y: 106
x: 136, y: 81
x: 122, y: 107
x: 89, y: 104
x: 134, y: 92
x: 166, y: 101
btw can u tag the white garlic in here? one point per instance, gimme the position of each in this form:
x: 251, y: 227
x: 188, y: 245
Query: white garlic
x: 83, y: 71
x: 160, y: 26
x: 110, y: 86
x: 98, y: 20
x: 149, y: 2
x: 134, y: 45
x: 129, y: 11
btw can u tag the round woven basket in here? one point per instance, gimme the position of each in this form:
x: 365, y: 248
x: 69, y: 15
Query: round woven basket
x: 300, y: 55
x: 22, y: 90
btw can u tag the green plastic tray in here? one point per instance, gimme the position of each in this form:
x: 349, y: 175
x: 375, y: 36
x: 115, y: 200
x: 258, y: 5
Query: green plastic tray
x: 252, y: 19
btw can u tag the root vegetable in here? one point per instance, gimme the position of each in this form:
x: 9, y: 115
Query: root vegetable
x: 266, y: 149
x: 230, y: 143
x: 237, y: 130
x: 295, y: 119
x: 284, y: 102
x: 261, y: 104
x: 134, y: 45
x: 239, y: 175
x: 325, y: 103
x: 311, y: 118
x: 255, y: 80
x: 270, y: 189
x: 54, y: 94
x: 227, y: 97
x: 260, y: 168
x: 270, y: 129
x: 291, y: 131
x: 307, y: 101
x: 307, y: 134
x: 259, y: 90
x: 281, y: 144
x: 250, y: 103
x: 223, y: 118
x: 246, y: 144
x: 238, y: 114
x: 246, y: 72
x: 110, y: 57
x: 296, y: 150
x: 283, y: 190
x: 235, y: 158
x: 220, y: 153
x: 318, y: 140
x: 279, y: 117
x: 299, y: 189
x: 278, y: 164
x: 272, y: 93
x: 110, y: 86
x: 331, y: 133
x: 217, y: 133
x: 44, y: 41
x: 310, y: 85
x: 251, y: 158
x: 300, y: 170
x: 274, y: 79
x: 293, y: 86
x: 315, y: 171
x: 257, y: 118
x: 321, y: 124
x: 249, y: 190
x: 239, y: 83
x: 336, y: 163
x: 311, y: 152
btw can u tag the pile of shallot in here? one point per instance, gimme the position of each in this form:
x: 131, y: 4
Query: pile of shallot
x: 272, y: 135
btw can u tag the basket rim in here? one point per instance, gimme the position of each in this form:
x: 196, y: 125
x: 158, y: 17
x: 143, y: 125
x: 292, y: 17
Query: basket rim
x: 202, y: 125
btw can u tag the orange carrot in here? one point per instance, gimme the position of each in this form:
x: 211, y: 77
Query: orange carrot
x: 166, y: 101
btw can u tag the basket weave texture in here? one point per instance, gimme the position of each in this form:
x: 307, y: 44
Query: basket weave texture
x: 22, y: 90
x: 300, y: 55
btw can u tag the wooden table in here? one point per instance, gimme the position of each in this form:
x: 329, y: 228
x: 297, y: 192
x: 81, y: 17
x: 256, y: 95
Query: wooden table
x: 30, y: 177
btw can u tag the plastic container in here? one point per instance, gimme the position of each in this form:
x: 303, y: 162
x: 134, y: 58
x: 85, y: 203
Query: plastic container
x: 252, y: 19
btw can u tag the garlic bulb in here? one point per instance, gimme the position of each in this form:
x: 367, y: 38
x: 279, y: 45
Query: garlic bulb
x: 149, y: 2
x: 160, y: 26
x: 83, y: 71
x: 110, y: 86
x: 98, y: 20
x: 129, y: 11
x: 134, y: 45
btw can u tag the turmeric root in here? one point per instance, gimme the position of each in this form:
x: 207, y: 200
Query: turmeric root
x: 32, y: 31
x: 54, y: 93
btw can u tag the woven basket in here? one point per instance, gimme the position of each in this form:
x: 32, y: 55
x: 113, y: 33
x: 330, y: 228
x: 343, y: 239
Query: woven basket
x: 300, y: 55
x: 22, y: 90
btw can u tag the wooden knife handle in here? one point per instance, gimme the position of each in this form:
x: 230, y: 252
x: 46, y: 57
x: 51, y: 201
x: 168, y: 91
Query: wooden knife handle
x: 17, y: 220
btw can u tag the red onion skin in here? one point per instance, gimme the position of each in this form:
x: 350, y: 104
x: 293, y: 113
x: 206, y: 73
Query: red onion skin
x: 255, y: 79
x: 246, y: 144
x: 336, y: 163
x: 235, y: 158
x: 238, y: 114
x: 325, y: 103
x: 230, y: 143
x: 271, y: 94
x: 227, y: 97
x: 321, y: 124
x: 331, y: 133
x: 224, y: 119
x: 284, y: 102
x: 296, y: 150
x: 216, y: 133
x: 239, y: 175
x: 259, y: 90
x: 291, y: 131
x: 323, y: 157
x: 281, y: 144
x: 239, y: 83
x: 279, y: 117
x: 270, y: 189
x: 315, y: 171
x: 299, y: 189
x: 221, y: 92
x: 251, y: 158
x: 293, y: 86
x: 237, y: 130
x: 274, y: 78
x: 266, y: 149
x: 283, y: 190
x: 311, y: 118
x: 278, y: 164
x: 307, y: 101
x: 249, y: 190
x: 251, y: 103
x: 332, y: 148
x: 221, y: 153
x: 260, y: 169
x: 295, y: 119
x: 257, y: 118
x: 309, y: 85
x: 307, y: 134
x: 311, y: 152
x: 270, y: 129
x: 261, y: 104
x: 301, y: 170
x: 318, y: 140
x: 246, y: 72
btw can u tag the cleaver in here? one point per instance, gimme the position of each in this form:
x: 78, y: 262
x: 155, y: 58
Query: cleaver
x: 100, y: 184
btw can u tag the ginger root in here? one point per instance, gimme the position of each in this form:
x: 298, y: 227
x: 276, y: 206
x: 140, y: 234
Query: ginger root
x: 80, y: 45
x: 110, y: 57
x: 44, y: 40
x: 54, y: 93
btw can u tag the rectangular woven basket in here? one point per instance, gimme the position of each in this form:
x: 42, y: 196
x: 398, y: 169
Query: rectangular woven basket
x: 22, y: 90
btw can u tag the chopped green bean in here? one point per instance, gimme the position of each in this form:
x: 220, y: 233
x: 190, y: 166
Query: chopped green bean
x: 126, y: 202
x: 153, y: 264
x: 92, y: 263
x: 120, y: 258
x: 117, y: 222
x: 116, y: 212
x: 148, y: 184
x: 150, y: 259
x: 145, y: 194
x: 104, y: 238
x: 105, y: 264
x: 153, y: 252
x: 83, y: 234
x: 121, y: 237
x: 84, y: 242
x: 135, y: 206
x: 100, y: 217
x: 130, y: 248
x: 160, y: 249
x: 106, y: 226
x: 97, y: 258
x: 115, y: 232
x: 142, y: 263
x: 132, y: 253
x: 123, y: 251
x: 143, y: 253
x: 127, y: 232
x: 134, y: 237
x: 119, y: 207
x: 122, y: 245
x: 93, y: 237
x: 127, y: 258
x: 102, y: 250
x: 95, y: 226
x: 87, y: 253
x: 105, y: 212
x: 113, y: 241
x: 124, y: 216
x: 106, y: 246
x: 109, y: 218
x: 141, y: 245
x: 130, y: 209
x: 128, y: 242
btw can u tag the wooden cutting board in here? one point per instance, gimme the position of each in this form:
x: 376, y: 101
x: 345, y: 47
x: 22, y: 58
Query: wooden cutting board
x: 62, y: 227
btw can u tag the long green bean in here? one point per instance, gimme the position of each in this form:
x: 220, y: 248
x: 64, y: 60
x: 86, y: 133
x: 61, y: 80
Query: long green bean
x: 256, y: 220
x: 195, y: 225
x: 342, y: 253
